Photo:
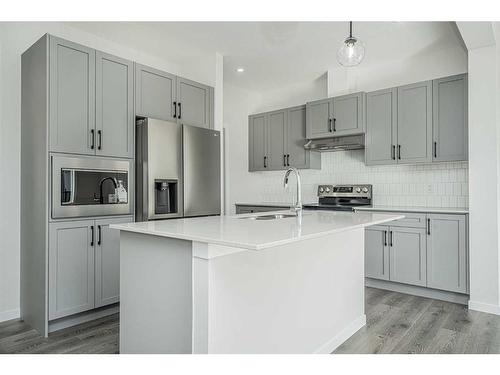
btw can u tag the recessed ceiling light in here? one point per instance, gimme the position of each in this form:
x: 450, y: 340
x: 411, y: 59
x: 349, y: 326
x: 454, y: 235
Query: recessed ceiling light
x: 240, y: 70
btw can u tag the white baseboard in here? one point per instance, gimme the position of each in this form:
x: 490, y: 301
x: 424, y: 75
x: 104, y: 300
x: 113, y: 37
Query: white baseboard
x: 484, y: 307
x: 9, y: 315
x: 342, y: 336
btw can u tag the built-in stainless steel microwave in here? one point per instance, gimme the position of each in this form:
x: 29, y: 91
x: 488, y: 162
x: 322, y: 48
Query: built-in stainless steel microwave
x: 90, y: 186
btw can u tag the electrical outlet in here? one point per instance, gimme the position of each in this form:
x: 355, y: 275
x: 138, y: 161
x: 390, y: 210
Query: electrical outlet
x: 429, y: 189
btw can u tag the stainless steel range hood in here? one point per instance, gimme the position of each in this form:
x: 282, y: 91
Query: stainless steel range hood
x: 351, y: 142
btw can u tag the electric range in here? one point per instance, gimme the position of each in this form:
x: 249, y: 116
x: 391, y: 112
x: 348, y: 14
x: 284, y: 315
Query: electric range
x: 342, y: 197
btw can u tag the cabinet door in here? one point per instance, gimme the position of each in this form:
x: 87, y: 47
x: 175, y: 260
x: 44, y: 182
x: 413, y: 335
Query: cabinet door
x: 348, y: 114
x: 107, y: 261
x: 71, y: 268
x: 276, y: 125
x: 72, y: 97
x: 257, y: 142
x: 114, y: 106
x: 415, y: 123
x: 319, y: 119
x: 381, y: 127
x: 446, y: 253
x: 377, y: 252
x: 155, y: 93
x: 449, y: 129
x: 297, y: 155
x: 407, y: 256
x: 193, y: 103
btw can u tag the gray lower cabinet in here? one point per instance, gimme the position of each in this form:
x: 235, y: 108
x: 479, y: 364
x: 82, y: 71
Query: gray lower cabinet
x: 428, y: 250
x: 381, y: 127
x: 407, y: 255
x: 415, y: 123
x: 107, y: 262
x: 276, y: 141
x: 449, y: 130
x: 335, y: 117
x: 446, y: 252
x: 72, y: 97
x: 377, y: 252
x: 114, y: 106
x: 193, y: 103
x: 84, y: 264
x: 71, y: 268
x: 155, y: 93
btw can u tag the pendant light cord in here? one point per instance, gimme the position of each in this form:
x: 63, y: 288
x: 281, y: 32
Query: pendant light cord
x: 350, y: 29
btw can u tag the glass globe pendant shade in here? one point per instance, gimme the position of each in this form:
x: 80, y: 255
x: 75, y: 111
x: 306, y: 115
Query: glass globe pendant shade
x: 352, y: 51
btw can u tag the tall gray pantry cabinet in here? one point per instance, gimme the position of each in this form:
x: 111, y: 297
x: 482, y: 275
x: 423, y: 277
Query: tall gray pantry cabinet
x: 81, y: 103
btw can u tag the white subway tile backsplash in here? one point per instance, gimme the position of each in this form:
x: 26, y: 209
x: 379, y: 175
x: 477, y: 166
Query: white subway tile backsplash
x: 432, y: 185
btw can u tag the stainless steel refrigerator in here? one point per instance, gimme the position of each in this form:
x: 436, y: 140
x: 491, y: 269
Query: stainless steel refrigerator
x: 178, y: 170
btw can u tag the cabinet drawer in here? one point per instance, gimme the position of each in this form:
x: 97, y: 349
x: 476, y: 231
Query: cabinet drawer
x: 411, y: 220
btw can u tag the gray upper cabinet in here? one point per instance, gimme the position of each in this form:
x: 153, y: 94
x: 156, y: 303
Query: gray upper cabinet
x: 377, y: 252
x: 257, y: 138
x: 155, y: 93
x: 415, y: 123
x: 277, y: 123
x: 348, y: 114
x: 71, y: 268
x: 72, y: 97
x: 193, y: 103
x: 114, y: 106
x: 107, y: 261
x: 446, y: 252
x: 276, y: 141
x: 408, y: 255
x: 381, y: 127
x: 319, y: 119
x: 449, y: 129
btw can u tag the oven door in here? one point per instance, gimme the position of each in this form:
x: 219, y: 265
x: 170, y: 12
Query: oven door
x: 90, y: 186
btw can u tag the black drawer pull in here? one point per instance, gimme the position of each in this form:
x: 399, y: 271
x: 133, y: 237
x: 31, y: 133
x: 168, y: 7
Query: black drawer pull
x: 385, y: 238
x: 98, y: 234
x: 92, y: 139
x: 99, y: 138
x: 175, y: 109
x: 334, y: 124
x: 288, y: 159
x: 92, y: 235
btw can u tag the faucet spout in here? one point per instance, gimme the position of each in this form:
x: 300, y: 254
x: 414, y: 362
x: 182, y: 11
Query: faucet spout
x: 112, y: 179
x: 297, y: 207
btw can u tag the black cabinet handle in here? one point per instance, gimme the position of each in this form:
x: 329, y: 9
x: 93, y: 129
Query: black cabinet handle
x: 288, y: 159
x: 91, y: 235
x: 385, y: 238
x: 390, y: 238
x: 265, y: 161
x: 284, y: 160
x: 99, y: 139
x: 92, y: 139
x: 393, y: 152
x: 330, y: 128
x: 334, y: 124
x: 180, y: 110
x: 98, y: 234
x: 175, y: 109
x: 399, y: 152
x: 428, y: 227
x: 435, y: 150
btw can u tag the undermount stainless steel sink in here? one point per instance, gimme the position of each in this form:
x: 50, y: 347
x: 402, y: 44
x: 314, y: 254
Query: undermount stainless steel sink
x: 269, y: 217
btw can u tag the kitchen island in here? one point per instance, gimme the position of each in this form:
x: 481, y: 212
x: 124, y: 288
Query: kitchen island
x: 244, y: 283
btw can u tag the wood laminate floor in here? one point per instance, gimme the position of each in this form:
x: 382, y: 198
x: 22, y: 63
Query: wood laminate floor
x: 396, y: 323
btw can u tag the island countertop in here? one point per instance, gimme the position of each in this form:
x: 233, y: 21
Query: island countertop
x: 240, y: 231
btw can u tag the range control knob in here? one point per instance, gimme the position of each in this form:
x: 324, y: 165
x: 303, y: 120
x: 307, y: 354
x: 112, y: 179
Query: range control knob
x: 321, y: 190
x: 365, y: 190
x: 327, y: 190
x: 358, y: 190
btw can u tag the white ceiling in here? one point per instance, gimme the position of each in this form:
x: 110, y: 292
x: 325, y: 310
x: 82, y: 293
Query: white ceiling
x: 276, y: 54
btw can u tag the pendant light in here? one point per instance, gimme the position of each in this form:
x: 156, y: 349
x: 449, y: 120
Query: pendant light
x: 352, y: 50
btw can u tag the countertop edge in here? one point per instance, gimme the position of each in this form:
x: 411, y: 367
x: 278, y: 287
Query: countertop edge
x: 247, y: 246
x: 443, y: 210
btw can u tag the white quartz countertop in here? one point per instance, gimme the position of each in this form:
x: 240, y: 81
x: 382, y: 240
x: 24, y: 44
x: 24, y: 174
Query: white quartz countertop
x: 238, y: 231
x: 437, y: 210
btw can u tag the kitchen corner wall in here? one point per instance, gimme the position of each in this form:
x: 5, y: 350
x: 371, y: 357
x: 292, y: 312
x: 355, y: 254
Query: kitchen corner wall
x: 429, y: 185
